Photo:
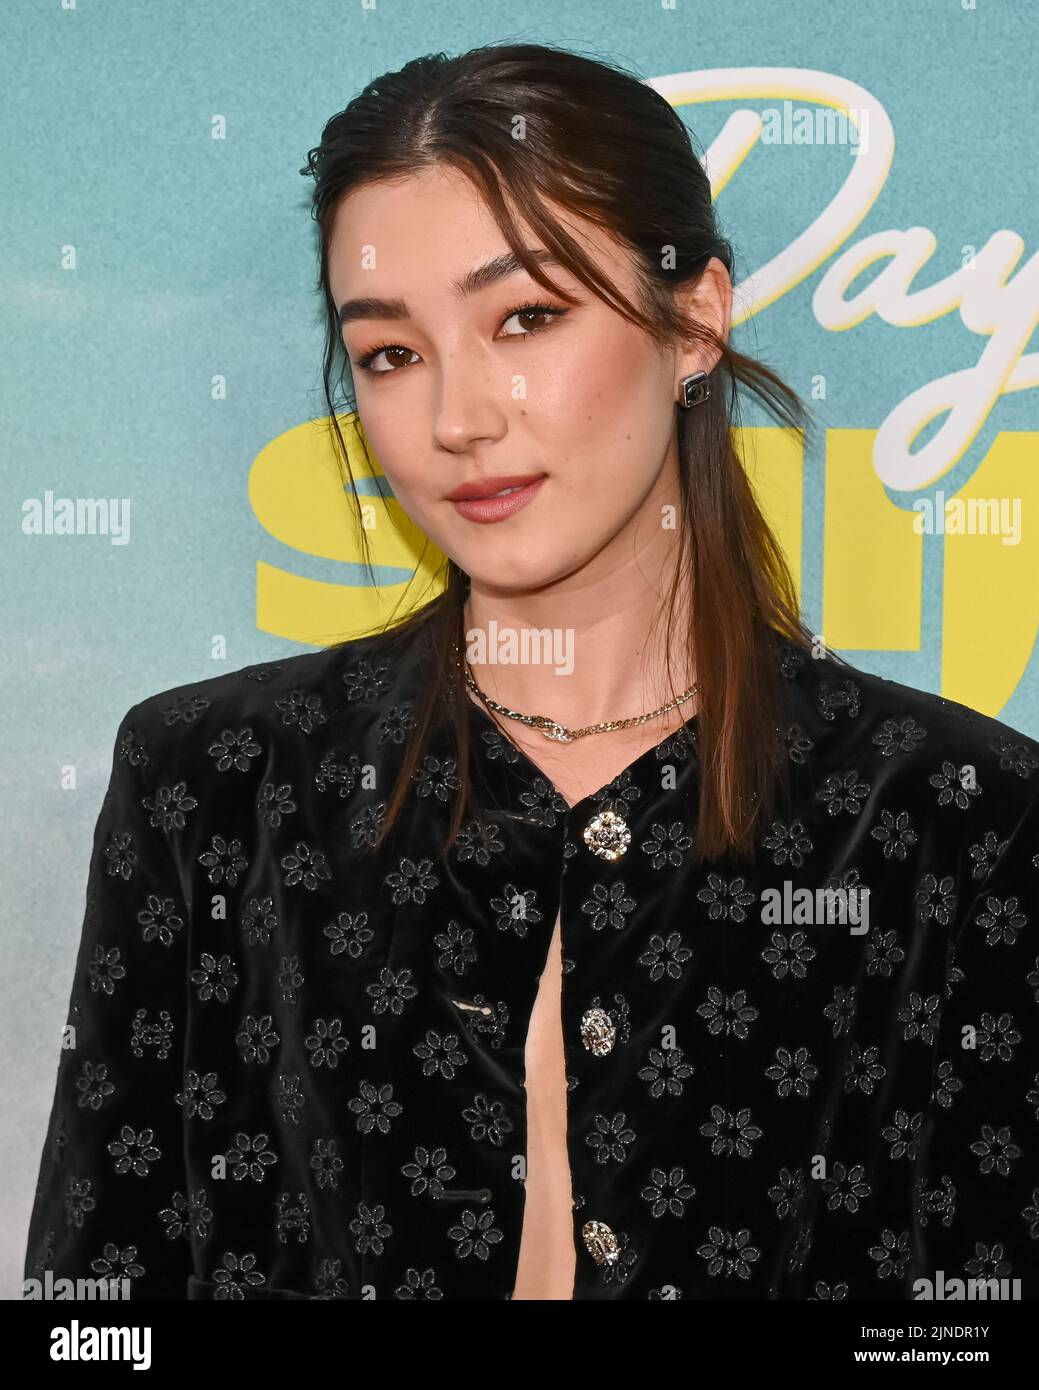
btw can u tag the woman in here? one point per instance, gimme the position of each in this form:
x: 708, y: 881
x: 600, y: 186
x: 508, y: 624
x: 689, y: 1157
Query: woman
x: 534, y: 947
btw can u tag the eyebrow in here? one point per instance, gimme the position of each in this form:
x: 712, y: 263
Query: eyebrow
x: 474, y: 280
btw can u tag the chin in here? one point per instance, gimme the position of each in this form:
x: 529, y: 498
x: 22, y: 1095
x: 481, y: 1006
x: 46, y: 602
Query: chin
x: 508, y: 569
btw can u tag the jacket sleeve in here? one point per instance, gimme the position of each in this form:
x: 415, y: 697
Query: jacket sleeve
x: 111, y: 1199
x: 977, y: 1207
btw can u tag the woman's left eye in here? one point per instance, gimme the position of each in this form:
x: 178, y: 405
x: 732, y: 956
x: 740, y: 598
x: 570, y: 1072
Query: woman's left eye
x: 532, y: 310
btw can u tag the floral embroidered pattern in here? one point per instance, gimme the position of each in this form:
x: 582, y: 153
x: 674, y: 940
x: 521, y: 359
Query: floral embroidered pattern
x: 295, y: 1066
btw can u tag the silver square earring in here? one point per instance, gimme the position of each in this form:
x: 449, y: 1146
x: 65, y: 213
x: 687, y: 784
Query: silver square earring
x: 695, y: 390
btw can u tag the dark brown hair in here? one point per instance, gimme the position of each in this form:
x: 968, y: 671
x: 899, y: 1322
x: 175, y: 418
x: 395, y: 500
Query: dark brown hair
x: 603, y: 144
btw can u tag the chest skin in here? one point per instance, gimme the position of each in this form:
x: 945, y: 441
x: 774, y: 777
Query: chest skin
x: 547, y: 1254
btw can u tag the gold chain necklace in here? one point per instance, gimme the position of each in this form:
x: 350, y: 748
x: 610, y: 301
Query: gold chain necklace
x: 552, y: 729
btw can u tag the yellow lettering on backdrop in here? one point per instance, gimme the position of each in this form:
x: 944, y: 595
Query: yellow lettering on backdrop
x: 872, y: 556
x: 990, y: 607
x: 774, y: 460
x: 300, y: 497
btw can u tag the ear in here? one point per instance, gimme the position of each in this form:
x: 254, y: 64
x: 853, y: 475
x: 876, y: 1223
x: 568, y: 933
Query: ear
x: 709, y: 301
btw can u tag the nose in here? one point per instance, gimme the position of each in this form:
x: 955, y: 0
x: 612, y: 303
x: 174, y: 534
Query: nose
x: 470, y: 401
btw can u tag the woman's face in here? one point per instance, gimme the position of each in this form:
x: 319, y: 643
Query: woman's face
x: 463, y: 388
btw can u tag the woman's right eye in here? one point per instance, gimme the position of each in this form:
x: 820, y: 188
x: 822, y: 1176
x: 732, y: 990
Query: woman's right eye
x: 365, y: 362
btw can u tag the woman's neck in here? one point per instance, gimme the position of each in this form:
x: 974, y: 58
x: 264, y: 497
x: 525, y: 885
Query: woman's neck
x: 581, y: 656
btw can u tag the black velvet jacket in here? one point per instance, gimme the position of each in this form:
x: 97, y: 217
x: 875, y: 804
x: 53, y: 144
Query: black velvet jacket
x: 298, y: 1070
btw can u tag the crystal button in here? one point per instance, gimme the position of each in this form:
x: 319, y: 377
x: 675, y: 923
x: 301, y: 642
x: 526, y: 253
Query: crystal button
x: 607, y: 835
x: 598, y: 1032
x: 601, y: 1242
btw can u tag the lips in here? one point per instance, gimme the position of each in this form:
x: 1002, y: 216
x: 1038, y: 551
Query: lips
x: 488, y: 487
x: 495, y: 498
